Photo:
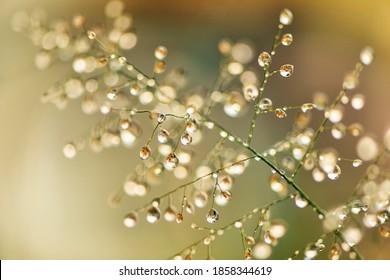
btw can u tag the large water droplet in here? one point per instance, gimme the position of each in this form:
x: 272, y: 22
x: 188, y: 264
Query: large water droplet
x: 300, y: 201
x: 264, y: 59
x: 130, y: 220
x: 153, y: 215
x: 285, y: 17
x: 212, y: 216
x: 286, y: 70
x: 145, y: 152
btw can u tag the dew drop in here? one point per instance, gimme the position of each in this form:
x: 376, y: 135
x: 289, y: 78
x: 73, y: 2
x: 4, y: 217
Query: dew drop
x: 159, y: 67
x: 265, y: 104
x: 112, y: 94
x: 153, y: 215
x: 285, y: 17
x: 286, y: 70
x: 335, y: 174
x: 192, y: 126
x: 300, y: 201
x: 91, y: 34
x: 190, y: 208
x: 355, y: 129
x: 179, y: 218
x: 69, y: 150
x: 249, y: 240
x: 318, y: 175
x: 130, y: 220
x: 145, y: 152
x: 186, y: 139
x: 367, y: 148
x: 286, y: 39
x: 262, y: 250
x: 163, y: 136
x: 225, y: 182
x: 161, y: 118
x: 335, y: 252
x: 172, y: 161
x: 170, y: 213
x: 248, y: 253
x: 338, y: 130
x: 250, y: 92
x: 327, y: 160
x: 385, y: 232
x: 357, y: 162
x: 367, y: 55
x: 212, y: 216
x: 280, y: 113
x: 160, y: 52
x: 200, y: 199
x: 264, y: 59
x: 358, y: 101
x: 307, y: 107
x: 350, y: 81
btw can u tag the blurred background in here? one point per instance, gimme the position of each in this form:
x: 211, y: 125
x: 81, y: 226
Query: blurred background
x: 55, y: 208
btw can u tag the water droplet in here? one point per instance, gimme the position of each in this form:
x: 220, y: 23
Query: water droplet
x: 226, y: 195
x: 327, y: 160
x: 336, y: 114
x: 192, y: 126
x: 300, y: 201
x: 250, y: 92
x: 269, y: 238
x: 278, y: 184
x: 264, y: 59
x: 358, y: 101
x: 350, y: 81
x: 200, y: 199
x: 307, y: 107
x: 112, y: 94
x: 335, y: 174
x: 280, y: 113
x: 212, y: 216
x: 262, y: 250
x: 91, y: 34
x: 286, y: 70
x: 69, y: 150
x: 159, y: 66
x: 285, y: 17
x: 179, y: 218
x: 357, y: 162
x: 186, y: 139
x: 265, y: 104
x: 367, y: 148
x: 367, y: 55
x: 130, y: 220
x: 160, y: 52
x: 161, y: 118
x: 385, y: 232
x: 190, y: 208
x: 249, y: 240
x: 338, y: 130
x: 225, y: 182
x: 248, y: 253
x: 318, y: 175
x: 163, y: 136
x: 170, y: 213
x: 335, y: 252
x: 172, y: 161
x: 286, y: 39
x: 153, y: 215
x: 355, y: 129
x: 235, y: 105
x: 145, y: 152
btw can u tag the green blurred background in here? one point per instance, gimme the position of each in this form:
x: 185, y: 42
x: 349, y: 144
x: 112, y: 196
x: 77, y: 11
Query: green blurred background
x: 55, y: 208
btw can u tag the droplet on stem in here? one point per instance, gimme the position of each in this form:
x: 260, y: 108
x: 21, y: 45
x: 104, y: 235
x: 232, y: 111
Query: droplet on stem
x: 280, y: 113
x: 286, y: 39
x: 285, y: 17
x: 145, y: 152
x: 264, y: 59
x: 153, y: 215
x: 212, y: 216
x: 130, y: 220
x: 286, y: 70
x: 172, y: 161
